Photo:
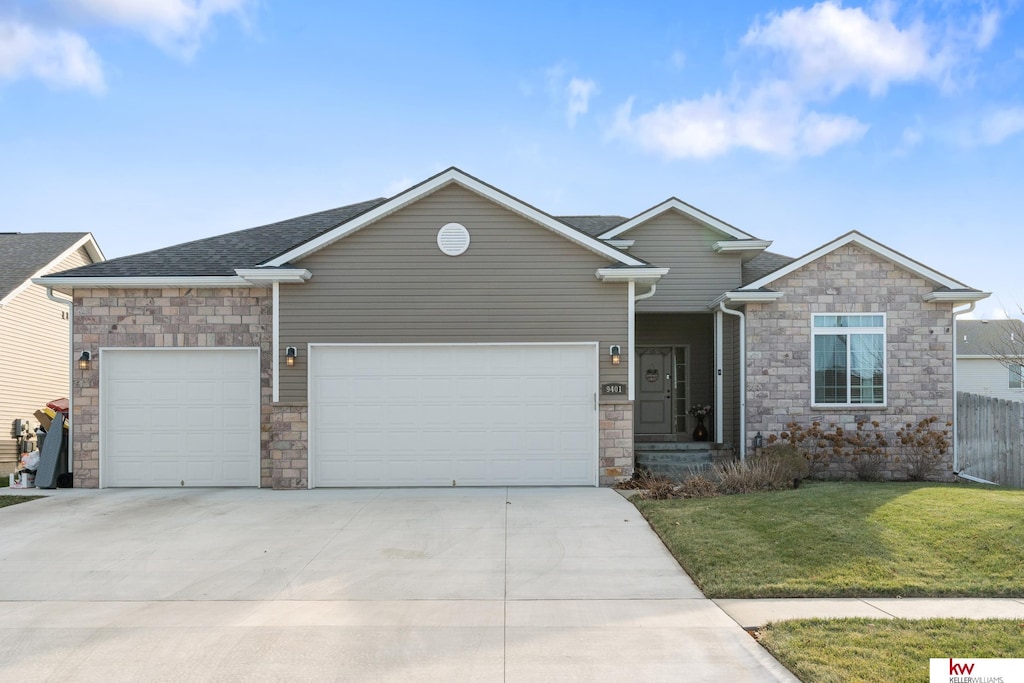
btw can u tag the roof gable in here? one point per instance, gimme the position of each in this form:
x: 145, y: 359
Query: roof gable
x: 856, y: 238
x: 24, y: 256
x: 431, y: 185
x: 674, y: 204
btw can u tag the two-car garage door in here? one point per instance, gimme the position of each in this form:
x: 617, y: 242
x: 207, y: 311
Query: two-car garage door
x: 379, y: 415
x: 462, y: 415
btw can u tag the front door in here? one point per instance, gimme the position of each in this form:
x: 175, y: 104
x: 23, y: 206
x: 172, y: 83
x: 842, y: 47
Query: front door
x: 654, y: 391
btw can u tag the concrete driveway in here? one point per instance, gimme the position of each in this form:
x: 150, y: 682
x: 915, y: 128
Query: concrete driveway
x: 354, y: 585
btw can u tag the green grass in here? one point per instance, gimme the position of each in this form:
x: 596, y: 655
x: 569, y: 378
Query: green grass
x: 869, y: 650
x: 849, y: 539
x: 14, y: 500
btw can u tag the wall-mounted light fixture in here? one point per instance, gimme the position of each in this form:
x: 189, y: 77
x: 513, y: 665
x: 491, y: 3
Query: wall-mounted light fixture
x: 616, y: 353
x: 758, y: 441
x: 85, y: 360
x: 289, y: 356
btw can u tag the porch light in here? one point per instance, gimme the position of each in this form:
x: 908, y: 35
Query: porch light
x: 84, y: 361
x: 616, y: 353
x: 758, y: 440
x: 289, y: 356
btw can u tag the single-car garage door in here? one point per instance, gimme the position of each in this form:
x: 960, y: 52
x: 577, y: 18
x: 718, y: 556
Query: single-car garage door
x: 179, y: 417
x: 444, y: 415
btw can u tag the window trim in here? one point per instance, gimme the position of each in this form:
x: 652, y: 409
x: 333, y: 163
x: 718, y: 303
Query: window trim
x: 1016, y: 373
x: 830, y: 331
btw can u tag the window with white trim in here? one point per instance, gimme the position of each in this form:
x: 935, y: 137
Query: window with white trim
x: 849, y: 360
x: 1017, y: 376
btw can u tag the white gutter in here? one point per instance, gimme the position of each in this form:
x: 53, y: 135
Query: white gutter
x: 71, y: 373
x: 956, y: 430
x: 631, y: 339
x: 972, y: 478
x: 743, y: 377
x: 276, y: 343
x: 719, y: 399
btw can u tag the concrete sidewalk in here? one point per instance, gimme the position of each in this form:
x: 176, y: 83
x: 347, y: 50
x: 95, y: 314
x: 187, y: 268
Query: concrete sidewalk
x: 755, y: 613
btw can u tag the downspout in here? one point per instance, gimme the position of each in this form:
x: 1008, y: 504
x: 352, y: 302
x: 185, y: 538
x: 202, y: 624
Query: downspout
x: 956, y: 416
x: 743, y: 377
x: 633, y: 298
x: 71, y: 373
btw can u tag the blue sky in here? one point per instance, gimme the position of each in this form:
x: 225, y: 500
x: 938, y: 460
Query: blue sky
x: 153, y: 122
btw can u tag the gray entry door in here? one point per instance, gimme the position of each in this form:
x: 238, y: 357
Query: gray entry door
x: 654, y: 391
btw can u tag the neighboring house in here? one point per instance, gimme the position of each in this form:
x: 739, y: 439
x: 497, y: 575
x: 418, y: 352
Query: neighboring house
x: 454, y: 335
x: 984, y: 351
x: 34, y: 330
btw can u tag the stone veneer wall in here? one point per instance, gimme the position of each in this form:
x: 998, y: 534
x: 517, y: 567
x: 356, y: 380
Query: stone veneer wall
x: 165, y: 318
x: 616, y: 442
x: 919, y: 347
x: 286, y: 426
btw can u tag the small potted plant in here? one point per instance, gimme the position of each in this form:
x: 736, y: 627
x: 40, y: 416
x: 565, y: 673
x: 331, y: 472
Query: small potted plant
x: 700, y: 411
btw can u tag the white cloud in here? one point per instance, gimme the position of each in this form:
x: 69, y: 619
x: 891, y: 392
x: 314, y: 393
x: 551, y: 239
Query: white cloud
x: 59, y: 58
x: 988, y: 27
x: 768, y: 121
x: 578, y: 92
x: 573, y: 93
x: 832, y: 48
x: 912, y: 137
x: 809, y: 57
x: 174, y: 25
x: 1001, y: 124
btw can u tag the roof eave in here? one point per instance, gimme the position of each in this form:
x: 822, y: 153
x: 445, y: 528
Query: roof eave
x: 743, y: 247
x: 265, y: 276
x: 642, y: 275
x: 741, y: 297
x: 955, y: 296
x: 66, y: 285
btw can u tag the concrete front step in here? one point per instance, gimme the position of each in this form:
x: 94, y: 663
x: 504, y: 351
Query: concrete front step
x: 676, y: 463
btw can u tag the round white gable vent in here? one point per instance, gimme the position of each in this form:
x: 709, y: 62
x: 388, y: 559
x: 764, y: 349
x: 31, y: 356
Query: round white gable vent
x: 453, y: 239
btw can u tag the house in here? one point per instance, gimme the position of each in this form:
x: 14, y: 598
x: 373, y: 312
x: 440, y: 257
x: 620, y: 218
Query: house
x: 34, y: 330
x: 988, y: 358
x: 454, y: 335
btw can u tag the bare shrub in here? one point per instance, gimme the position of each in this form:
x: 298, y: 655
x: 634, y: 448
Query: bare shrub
x: 923, y: 447
x: 793, y: 466
x: 866, y: 450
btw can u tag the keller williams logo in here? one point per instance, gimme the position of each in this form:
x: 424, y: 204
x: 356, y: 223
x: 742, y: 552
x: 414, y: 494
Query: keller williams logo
x: 960, y: 669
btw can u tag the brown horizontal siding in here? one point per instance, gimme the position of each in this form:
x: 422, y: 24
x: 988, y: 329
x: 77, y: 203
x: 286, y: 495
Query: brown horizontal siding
x: 697, y: 275
x: 389, y: 283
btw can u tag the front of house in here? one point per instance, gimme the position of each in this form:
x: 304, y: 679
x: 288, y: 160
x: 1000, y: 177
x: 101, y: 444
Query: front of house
x: 454, y: 335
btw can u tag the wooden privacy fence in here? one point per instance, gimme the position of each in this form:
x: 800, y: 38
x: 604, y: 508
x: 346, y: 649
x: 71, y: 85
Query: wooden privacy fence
x: 990, y: 436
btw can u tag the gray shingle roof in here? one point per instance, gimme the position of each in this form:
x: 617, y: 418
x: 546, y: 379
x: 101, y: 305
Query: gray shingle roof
x: 221, y: 255
x: 985, y: 337
x: 593, y: 225
x: 22, y: 255
x: 764, y: 263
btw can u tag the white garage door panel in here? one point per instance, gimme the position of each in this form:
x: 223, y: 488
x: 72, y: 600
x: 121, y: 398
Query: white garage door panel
x: 478, y: 415
x: 173, y: 416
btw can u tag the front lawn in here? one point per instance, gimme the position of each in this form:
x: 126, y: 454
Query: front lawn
x: 849, y: 539
x: 14, y: 500
x: 898, y: 650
